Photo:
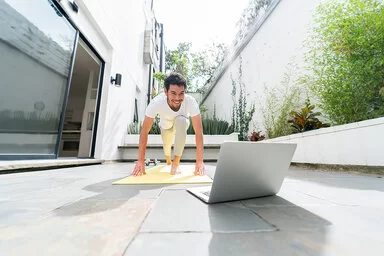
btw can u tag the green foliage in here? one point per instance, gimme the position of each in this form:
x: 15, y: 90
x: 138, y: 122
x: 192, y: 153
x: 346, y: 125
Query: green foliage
x: 381, y: 92
x: 213, y: 127
x: 205, y: 63
x: 203, y: 111
x: 277, y: 110
x: 178, y: 60
x: 249, y: 17
x: 346, y: 57
x: 241, y: 115
x: 197, y: 67
x: 279, y: 103
x: 155, y: 129
x: 135, y: 127
x: 305, y: 119
x: 160, y: 77
x: 210, y: 127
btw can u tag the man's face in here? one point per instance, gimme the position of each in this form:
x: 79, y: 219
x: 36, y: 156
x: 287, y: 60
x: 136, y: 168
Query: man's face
x: 175, y: 96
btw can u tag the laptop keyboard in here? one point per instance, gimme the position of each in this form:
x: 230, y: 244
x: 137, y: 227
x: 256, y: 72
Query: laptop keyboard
x: 207, y: 193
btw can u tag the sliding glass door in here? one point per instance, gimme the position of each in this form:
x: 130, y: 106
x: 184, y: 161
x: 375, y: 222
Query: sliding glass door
x: 36, y: 47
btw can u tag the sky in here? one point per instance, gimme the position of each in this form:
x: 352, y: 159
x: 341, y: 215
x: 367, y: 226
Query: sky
x: 200, y: 22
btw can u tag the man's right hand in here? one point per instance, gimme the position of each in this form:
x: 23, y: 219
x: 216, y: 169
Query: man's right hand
x: 139, y: 169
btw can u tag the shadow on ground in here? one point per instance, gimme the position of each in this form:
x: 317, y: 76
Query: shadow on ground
x: 298, y: 231
x: 109, y: 197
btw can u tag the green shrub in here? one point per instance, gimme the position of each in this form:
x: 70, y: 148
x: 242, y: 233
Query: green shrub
x: 279, y: 103
x: 155, y: 129
x: 346, y: 59
x: 135, y: 127
x: 305, y: 119
x: 210, y: 127
x: 241, y: 114
x: 213, y: 127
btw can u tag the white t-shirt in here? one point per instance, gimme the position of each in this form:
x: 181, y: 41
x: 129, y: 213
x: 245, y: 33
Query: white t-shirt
x: 159, y: 105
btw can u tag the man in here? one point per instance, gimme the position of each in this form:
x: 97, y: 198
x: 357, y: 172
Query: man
x: 174, y: 108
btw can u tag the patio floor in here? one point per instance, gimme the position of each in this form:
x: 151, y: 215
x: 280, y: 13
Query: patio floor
x: 77, y: 211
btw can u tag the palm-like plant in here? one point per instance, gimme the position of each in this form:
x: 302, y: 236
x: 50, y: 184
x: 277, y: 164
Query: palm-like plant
x: 305, y: 119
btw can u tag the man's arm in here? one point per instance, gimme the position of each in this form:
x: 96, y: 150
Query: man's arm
x: 145, y: 128
x: 198, y: 127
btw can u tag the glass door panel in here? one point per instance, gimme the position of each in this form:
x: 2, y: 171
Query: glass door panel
x: 36, y: 49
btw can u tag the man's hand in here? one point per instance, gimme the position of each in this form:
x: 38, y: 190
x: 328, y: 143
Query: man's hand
x: 199, y: 168
x: 139, y: 169
x: 140, y: 166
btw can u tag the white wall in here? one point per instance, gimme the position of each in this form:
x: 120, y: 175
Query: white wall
x: 271, y: 52
x: 116, y: 30
x: 360, y: 143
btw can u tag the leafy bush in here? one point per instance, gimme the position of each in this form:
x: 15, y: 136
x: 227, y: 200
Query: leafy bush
x: 241, y: 114
x: 135, y: 127
x: 210, y: 127
x: 346, y: 59
x: 213, y: 127
x: 279, y: 103
x: 155, y: 129
x: 305, y: 119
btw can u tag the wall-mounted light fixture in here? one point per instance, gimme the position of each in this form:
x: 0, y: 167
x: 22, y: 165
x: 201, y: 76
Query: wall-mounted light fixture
x: 74, y: 6
x: 116, y: 80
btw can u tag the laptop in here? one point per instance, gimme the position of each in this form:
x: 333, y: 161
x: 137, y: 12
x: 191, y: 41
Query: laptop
x: 247, y: 170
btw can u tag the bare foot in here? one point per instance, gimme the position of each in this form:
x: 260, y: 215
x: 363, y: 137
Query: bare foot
x: 175, y: 169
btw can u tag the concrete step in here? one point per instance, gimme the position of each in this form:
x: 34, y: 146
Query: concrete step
x: 129, y: 152
x: 42, y: 164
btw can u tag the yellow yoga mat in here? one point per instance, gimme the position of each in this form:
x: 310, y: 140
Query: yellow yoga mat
x: 161, y: 175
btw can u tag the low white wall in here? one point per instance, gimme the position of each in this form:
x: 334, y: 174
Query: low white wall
x: 154, y: 149
x: 360, y: 143
x: 154, y: 139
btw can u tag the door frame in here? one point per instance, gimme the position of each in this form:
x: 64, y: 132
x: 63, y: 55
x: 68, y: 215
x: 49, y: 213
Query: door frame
x: 99, y: 90
x: 97, y: 103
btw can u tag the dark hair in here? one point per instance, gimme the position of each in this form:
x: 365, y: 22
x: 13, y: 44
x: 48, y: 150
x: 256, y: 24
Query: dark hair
x: 175, y: 79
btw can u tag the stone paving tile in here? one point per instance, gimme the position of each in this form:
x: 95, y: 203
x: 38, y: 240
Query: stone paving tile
x: 178, y: 211
x: 86, y: 227
x: 317, y: 242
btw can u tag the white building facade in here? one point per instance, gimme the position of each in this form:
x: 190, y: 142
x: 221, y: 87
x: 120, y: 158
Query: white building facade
x: 75, y: 74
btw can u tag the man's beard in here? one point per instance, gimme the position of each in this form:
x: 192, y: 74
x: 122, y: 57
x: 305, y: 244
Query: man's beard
x: 172, y: 106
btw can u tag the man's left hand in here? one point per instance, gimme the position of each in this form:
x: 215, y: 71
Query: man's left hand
x: 199, y: 169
